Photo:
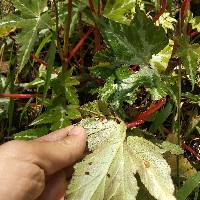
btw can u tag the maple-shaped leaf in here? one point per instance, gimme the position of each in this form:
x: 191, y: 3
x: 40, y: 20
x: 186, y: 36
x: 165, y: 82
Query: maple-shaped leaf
x: 33, y: 17
x: 108, y: 172
x: 121, y: 10
x: 131, y: 44
x: 58, y: 117
x: 189, y: 55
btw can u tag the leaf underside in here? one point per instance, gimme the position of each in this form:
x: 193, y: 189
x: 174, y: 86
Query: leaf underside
x: 108, y: 172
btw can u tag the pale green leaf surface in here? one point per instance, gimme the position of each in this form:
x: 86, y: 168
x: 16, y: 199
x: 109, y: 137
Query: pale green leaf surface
x: 108, y: 172
x: 98, y: 132
x: 153, y: 169
x: 195, y: 23
x: 121, y: 10
x: 107, y: 169
x: 160, y: 61
x: 172, y: 148
x: 134, y: 44
x: 166, y: 21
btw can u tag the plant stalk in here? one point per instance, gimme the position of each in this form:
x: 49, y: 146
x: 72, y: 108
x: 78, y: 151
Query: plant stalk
x: 67, y: 30
x: 57, y: 32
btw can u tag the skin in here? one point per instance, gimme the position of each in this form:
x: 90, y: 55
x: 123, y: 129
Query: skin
x: 38, y: 169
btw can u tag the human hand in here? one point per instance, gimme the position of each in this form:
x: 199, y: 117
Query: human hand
x: 35, y: 170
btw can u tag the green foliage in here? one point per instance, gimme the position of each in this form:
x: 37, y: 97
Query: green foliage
x: 160, y: 118
x: 66, y: 83
x: 172, y: 148
x: 160, y: 61
x: 195, y: 23
x: 33, y: 18
x: 111, y: 167
x: 166, y: 21
x: 189, y: 54
x: 58, y: 117
x: 95, y: 109
x: 31, y: 133
x: 130, y: 70
x: 190, y: 184
x: 133, y: 44
x: 123, y: 90
x: 121, y: 11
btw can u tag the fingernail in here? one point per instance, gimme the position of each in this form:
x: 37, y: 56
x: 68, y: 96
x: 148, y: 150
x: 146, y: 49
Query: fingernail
x: 77, y: 130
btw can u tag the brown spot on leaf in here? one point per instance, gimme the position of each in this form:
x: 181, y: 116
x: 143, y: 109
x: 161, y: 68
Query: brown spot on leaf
x: 108, y: 175
x: 146, y: 163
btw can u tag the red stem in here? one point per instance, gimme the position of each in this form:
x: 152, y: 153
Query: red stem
x: 153, y: 108
x: 97, y: 38
x: 92, y: 8
x: 19, y: 96
x: 184, y: 7
x: 188, y: 148
x: 135, y: 123
x: 194, y: 33
x: 139, y: 119
x: 161, y: 11
x: 79, y: 44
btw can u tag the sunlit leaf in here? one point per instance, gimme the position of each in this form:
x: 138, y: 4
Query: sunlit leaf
x: 111, y: 166
x: 160, y: 61
x: 121, y: 10
x: 195, y: 23
x: 166, y: 21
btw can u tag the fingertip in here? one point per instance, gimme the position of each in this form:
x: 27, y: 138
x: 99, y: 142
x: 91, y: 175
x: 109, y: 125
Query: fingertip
x: 77, y: 130
x: 56, y: 135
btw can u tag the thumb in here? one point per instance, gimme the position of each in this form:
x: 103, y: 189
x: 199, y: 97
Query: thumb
x: 52, y: 153
x: 53, y: 156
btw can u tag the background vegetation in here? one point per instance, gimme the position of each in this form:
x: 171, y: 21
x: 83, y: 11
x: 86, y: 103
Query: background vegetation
x: 128, y: 64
